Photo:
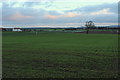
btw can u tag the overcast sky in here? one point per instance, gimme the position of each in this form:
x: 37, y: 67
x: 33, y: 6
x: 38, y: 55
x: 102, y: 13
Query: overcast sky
x: 59, y: 12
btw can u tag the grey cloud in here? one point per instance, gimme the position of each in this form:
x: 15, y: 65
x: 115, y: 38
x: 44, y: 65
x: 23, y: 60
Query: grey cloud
x: 38, y: 14
x: 113, y: 8
x: 106, y: 18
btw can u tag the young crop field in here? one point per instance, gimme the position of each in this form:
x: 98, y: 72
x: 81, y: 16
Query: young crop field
x: 59, y: 55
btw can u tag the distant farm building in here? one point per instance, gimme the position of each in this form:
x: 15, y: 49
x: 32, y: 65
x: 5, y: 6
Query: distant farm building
x: 17, y: 29
x: 11, y: 29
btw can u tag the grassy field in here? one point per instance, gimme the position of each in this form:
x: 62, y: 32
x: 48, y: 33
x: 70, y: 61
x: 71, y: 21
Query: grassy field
x: 59, y: 55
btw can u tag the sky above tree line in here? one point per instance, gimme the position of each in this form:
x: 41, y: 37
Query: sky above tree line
x: 58, y: 12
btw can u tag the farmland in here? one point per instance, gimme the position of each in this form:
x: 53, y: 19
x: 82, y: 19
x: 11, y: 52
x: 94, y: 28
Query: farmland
x: 59, y: 55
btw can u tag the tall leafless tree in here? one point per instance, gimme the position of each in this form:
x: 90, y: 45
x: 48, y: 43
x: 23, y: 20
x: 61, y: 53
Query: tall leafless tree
x: 89, y: 24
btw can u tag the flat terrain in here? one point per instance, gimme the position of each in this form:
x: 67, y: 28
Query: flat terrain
x: 59, y: 55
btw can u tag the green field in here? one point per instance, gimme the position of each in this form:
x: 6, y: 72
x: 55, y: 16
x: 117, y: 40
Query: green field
x: 59, y: 55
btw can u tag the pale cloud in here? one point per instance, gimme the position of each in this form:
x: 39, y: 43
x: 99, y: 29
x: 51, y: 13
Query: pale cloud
x: 18, y: 16
x: 67, y: 15
x: 51, y: 16
x: 70, y: 14
x: 61, y: 0
x: 18, y: 5
x: 102, y: 12
x: 0, y: 4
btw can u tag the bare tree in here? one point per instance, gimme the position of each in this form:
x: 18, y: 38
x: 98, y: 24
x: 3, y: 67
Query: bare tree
x: 89, y: 25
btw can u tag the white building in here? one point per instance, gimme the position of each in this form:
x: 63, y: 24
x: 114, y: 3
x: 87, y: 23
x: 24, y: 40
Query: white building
x: 17, y: 29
